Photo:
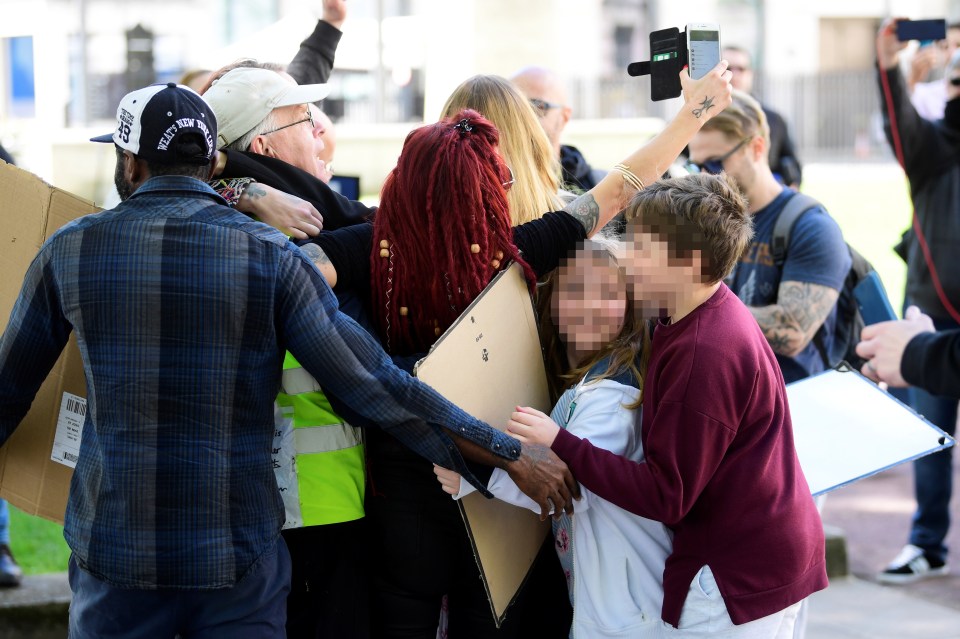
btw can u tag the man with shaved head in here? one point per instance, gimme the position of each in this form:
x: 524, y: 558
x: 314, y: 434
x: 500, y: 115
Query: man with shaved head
x: 549, y: 100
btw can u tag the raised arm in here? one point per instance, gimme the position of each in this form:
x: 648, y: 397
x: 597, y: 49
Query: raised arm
x: 703, y: 99
x: 313, y: 62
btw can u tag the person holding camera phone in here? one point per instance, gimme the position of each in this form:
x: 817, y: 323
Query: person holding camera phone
x: 911, y: 352
x: 925, y: 79
x: 930, y: 154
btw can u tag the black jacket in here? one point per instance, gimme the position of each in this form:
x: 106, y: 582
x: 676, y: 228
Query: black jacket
x: 337, y: 211
x: 932, y: 362
x: 577, y: 173
x: 782, y: 156
x: 314, y: 60
x: 932, y: 162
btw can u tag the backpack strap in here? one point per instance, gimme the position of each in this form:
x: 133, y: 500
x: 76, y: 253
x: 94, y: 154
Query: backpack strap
x: 796, y: 206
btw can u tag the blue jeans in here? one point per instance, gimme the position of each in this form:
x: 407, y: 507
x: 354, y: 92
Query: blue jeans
x: 4, y: 523
x: 933, y: 474
x: 255, y: 607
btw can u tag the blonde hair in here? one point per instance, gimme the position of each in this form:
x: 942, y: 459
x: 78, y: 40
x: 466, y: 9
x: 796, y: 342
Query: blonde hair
x: 523, y: 143
x: 744, y: 118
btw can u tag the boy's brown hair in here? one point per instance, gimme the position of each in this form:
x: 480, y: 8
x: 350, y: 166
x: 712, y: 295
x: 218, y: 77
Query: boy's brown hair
x: 743, y: 119
x: 700, y: 212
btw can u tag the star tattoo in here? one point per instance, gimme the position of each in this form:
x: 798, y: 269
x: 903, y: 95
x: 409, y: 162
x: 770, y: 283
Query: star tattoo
x: 705, y: 106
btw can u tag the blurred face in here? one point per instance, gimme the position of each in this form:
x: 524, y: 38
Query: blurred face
x: 549, y: 103
x: 589, y: 302
x: 655, y: 279
x: 740, y: 68
x: 293, y: 140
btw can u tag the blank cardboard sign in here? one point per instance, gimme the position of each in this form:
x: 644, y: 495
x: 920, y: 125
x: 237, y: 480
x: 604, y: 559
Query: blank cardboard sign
x: 487, y: 363
x: 29, y: 478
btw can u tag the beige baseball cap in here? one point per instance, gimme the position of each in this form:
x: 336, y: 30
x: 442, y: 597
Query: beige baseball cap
x: 243, y: 97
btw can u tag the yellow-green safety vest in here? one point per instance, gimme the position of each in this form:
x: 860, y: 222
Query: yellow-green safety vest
x: 317, y: 457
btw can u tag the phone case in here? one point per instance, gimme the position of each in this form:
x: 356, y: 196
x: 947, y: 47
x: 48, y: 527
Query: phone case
x: 872, y: 300
x: 923, y: 30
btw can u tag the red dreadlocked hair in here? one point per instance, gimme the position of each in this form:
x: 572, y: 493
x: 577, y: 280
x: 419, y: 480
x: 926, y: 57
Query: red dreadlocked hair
x: 442, y: 232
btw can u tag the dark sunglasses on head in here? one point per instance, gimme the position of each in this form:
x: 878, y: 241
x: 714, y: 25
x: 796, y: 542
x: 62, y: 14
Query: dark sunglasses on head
x: 714, y: 166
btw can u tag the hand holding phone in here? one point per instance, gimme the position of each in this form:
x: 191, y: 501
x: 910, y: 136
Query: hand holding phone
x: 923, y: 30
x: 703, y: 48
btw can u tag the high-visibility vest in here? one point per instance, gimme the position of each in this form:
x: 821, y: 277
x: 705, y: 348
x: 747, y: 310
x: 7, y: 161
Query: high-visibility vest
x: 317, y: 457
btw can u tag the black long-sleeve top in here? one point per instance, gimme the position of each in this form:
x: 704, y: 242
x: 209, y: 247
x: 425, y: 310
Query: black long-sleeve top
x: 931, y: 361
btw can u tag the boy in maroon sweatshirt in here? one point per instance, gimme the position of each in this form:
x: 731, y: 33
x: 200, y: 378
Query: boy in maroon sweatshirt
x: 721, y: 469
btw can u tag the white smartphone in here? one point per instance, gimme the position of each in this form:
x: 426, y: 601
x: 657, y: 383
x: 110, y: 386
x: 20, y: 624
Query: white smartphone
x: 703, y: 48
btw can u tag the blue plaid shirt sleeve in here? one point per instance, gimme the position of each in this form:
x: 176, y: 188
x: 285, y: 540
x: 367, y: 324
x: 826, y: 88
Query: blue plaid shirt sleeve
x: 30, y: 345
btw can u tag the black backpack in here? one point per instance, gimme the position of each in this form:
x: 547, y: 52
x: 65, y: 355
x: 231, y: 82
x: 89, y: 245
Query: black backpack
x: 849, y: 322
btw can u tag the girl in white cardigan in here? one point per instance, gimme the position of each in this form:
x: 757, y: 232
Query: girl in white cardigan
x: 613, y: 560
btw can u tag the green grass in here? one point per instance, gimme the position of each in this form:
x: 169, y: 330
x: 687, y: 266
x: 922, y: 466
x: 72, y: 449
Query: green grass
x: 37, y: 544
x: 871, y: 203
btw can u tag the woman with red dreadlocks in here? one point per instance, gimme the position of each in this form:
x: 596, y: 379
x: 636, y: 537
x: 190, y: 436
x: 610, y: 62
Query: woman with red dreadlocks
x: 442, y: 232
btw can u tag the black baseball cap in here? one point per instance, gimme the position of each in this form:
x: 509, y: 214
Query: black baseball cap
x: 150, y: 120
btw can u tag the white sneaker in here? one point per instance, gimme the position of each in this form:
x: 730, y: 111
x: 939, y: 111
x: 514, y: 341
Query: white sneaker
x: 912, y: 564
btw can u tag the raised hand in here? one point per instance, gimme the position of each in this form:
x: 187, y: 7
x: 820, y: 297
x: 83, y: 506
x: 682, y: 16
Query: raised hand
x: 335, y: 12
x: 709, y: 95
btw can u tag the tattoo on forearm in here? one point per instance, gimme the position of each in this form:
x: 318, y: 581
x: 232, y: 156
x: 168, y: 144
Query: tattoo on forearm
x: 705, y: 106
x: 315, y: 253
x: 255, y: 192
x: 800, y: 311
x: 586, y: 210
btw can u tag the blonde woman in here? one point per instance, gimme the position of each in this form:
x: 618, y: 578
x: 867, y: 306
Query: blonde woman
x: 523, y: 143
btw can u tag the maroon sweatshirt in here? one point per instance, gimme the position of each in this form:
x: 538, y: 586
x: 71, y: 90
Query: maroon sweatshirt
x: 720, y: 470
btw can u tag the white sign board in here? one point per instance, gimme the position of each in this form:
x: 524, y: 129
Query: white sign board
x: 847, y: 428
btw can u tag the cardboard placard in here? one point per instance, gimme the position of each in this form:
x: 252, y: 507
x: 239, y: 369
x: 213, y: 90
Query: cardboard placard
x: 29, y: 478
x: 488, y: 362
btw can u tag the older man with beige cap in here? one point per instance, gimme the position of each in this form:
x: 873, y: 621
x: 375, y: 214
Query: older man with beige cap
x: 268, y: 113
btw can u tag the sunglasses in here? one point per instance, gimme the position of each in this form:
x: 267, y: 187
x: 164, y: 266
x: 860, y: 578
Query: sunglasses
x: 309, y: 119
x: 542, y: 106
x: 714, y: 166
x: 955, y: 81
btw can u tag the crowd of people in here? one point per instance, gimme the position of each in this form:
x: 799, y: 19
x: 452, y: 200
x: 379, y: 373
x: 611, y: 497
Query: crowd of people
x: 258, y: 461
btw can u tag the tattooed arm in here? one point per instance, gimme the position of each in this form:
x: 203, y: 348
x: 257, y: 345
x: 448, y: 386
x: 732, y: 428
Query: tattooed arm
x: 286, y: 213
x: 800, y: 311
x: 703, y: 99
x: 322, y: 262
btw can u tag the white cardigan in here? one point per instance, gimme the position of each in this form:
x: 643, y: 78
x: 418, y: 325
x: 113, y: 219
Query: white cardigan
x: 616, y: 585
